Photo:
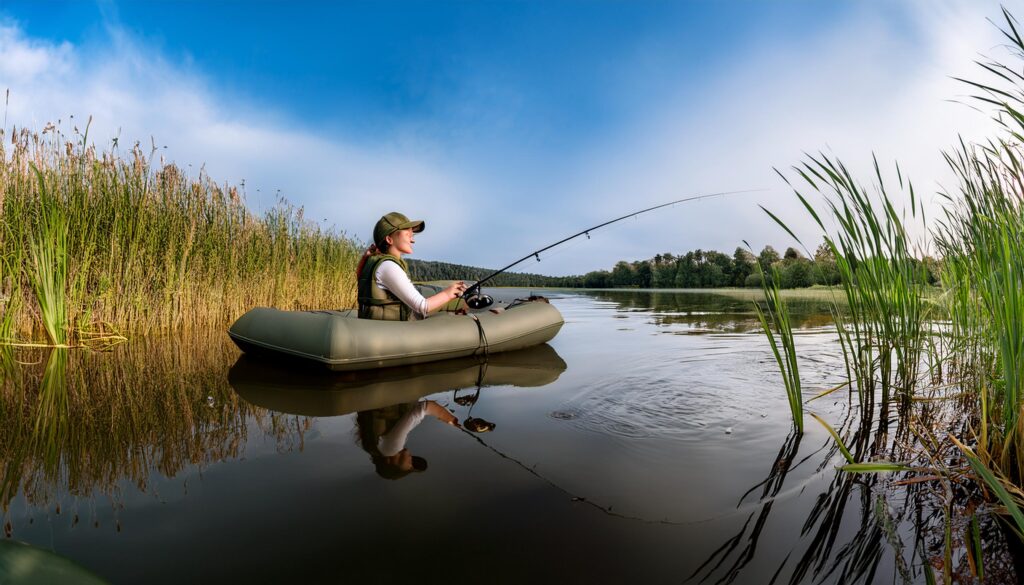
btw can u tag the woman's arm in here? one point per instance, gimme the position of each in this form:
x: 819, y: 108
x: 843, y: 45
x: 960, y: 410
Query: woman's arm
x: 390, y: 276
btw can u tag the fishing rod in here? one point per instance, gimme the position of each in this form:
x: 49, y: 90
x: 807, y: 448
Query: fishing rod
x: 476, y: 300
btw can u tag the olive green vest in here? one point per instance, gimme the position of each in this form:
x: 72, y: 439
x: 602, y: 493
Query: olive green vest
x: 376, y: 303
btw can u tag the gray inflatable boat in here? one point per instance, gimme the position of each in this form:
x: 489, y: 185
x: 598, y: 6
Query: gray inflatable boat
x: 341, y: 341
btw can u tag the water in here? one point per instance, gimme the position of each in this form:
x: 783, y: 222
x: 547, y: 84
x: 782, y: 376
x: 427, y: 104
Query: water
x: 649, y: 442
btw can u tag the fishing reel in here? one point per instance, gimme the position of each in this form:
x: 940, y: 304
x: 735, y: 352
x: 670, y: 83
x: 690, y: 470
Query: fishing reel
x: 475, y: 299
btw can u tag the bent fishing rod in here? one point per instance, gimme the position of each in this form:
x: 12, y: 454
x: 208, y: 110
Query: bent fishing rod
x: 476, y: 300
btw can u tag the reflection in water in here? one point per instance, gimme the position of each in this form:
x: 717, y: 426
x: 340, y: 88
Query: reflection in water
x: 386, y: 400
x: 316, y: 392
x: 716, y: 564
x: 622, y: 464
x: 859, y: 521
x: 382, y: 432
x: 710, y: 311
x: 78, y: 422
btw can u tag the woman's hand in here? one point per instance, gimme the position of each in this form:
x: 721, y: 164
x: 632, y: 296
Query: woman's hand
x: 447, y: 295
x: 441, y: 413
x: 456, y: 289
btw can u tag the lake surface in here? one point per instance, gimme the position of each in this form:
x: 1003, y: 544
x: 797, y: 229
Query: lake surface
x: 650, y: 441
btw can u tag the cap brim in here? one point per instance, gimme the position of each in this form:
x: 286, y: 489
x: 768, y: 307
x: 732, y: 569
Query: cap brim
x: 417, y: 226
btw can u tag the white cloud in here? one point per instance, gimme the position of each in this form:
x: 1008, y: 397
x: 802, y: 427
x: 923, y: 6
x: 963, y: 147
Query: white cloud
x: 865, y: 84
x: 135, y: 95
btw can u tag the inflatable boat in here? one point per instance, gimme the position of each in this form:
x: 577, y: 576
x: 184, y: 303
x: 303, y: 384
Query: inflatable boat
x: 323, y: 393
x: 341, y: 341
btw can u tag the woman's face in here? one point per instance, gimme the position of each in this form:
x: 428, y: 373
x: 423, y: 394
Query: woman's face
x: 401, y: 242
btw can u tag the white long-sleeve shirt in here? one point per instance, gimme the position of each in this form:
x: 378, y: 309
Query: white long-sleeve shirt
x: 394, y: 440
x: 391, y: 277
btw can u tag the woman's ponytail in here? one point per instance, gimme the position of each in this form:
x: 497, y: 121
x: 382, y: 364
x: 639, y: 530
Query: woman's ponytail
x: 366, y: 256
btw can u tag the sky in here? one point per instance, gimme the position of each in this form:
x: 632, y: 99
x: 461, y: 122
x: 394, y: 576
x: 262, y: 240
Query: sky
x: 507, y: 126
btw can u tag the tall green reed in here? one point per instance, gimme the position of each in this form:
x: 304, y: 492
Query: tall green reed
x: 48, y: 249
x: 148, y: 247
x: 981, y: 237
x: 883, y: 326
x: 776, y: 316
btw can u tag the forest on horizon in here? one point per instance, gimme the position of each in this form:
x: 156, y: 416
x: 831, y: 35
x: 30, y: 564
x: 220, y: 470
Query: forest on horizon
x: 694, y: 269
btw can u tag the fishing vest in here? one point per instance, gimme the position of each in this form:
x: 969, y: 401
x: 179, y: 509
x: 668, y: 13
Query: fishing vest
x: 375, y: 302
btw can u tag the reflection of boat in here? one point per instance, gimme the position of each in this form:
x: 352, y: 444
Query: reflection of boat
x: 341, y: 341
x: 325, y: 393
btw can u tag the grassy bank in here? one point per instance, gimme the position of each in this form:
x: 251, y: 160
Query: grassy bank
x: 94, y: 241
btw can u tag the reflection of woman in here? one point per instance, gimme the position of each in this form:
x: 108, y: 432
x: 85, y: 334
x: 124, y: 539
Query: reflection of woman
x: 385, y: 290
x: 382, y: 433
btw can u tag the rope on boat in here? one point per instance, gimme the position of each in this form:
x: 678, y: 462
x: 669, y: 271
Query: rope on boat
x: 483, y: 337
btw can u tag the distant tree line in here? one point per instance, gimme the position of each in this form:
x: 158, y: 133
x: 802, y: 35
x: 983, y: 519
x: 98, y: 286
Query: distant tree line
x: 712, y: 269
x: 696, y: 269
x: 427, y: 270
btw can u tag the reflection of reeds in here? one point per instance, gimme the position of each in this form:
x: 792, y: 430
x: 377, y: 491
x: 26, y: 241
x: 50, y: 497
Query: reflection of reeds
x: 86, y: 420
x: 729, y: 559
x: 145, y: 246
x: 50, y: 430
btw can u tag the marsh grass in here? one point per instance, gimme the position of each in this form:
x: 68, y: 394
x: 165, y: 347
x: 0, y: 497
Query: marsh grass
x: 981, y: 237
x: 98, y: 241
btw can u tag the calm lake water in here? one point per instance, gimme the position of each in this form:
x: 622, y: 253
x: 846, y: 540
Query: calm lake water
x: 650, y: 442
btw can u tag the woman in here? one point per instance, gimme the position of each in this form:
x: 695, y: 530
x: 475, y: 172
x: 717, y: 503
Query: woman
x: 385, y: 290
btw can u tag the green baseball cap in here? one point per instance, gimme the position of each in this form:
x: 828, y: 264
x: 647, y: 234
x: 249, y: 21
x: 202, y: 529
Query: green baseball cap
x: 393, y: 222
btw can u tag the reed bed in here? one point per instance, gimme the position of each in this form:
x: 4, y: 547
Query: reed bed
x: 970, y: 337
x: 883, y: 324
x: 93, y: 241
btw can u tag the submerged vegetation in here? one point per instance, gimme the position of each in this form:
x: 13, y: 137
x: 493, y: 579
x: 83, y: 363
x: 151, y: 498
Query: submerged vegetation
x: 94, y: 241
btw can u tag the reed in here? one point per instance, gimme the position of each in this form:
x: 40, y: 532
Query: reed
x: 981, y: 237
x: 97, y: 240
x: 883, y: 325
x: 48, y: 249
x: 890, y: 326
x: 776, y: 315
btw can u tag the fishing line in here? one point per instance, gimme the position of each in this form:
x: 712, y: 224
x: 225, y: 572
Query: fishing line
x: 738, y: 511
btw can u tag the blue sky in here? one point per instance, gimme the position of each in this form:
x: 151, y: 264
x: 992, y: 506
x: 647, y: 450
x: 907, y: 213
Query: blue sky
x: 508, y: 125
